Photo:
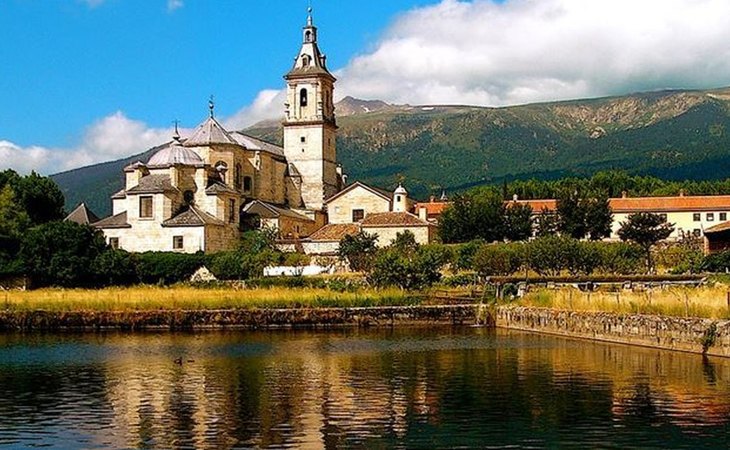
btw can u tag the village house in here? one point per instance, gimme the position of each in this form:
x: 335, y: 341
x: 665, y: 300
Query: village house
x: 198, y: 193
x: 696, y: 216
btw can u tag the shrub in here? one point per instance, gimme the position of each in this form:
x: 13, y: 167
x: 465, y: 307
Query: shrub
x: 460, y: 280
x: 620, y: 258
x: 358, y: 250
x: 548, y: 256
x: 464, y: 255
x: 498, y: 259
x: 414, y: 271
x: 168, y: 268
x: 115, y: 268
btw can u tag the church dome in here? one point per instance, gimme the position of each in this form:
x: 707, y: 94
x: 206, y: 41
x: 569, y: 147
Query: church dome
x: 175, y: 154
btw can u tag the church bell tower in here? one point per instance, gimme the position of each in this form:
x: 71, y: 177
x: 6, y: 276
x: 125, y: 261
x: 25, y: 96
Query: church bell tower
x: 309, y: 124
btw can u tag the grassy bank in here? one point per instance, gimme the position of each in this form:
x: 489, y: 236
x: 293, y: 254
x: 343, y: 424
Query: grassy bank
x: 708, y: 302
x: 151, y: 298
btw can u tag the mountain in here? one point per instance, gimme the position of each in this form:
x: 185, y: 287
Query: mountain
x: 671, y: 134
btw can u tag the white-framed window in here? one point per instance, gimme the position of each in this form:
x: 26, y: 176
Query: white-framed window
x: 177, y: 242
x: 710, y: 217
x: 358, y: 215
x: 696, y: 217
x: 723, y: 217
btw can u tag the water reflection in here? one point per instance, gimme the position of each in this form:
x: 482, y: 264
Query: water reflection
x: 413, y: 388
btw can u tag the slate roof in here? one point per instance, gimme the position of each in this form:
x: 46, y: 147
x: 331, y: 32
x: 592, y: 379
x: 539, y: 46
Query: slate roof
x: 192, y: 217
x: 334, y: 232
x: 208, y: 133
x: 118, y: 221
x: 377, y: 191
x: 82, y: 215
x: 173, y: 155
x: 153, y: 184
x: 120, y: 194
x: 392, y: 219
x: 217, y: 188
x: 269, y: 211
x: 252, y: 143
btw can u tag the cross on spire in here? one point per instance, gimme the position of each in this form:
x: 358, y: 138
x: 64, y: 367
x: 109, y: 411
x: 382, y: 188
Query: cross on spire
x: 211, y: 106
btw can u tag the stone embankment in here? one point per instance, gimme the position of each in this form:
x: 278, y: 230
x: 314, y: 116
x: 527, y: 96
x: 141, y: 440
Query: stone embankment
x: 240, y: 318
x: 694, y: 335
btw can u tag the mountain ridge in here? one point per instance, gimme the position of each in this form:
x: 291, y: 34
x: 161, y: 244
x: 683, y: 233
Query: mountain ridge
x: 673, y: 133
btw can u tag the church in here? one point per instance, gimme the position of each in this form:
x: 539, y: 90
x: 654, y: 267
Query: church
x: 200, y: 192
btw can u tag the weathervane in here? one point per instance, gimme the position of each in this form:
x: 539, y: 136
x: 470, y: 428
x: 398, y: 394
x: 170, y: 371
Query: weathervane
x: 176, y: 135
x: 211, y: 105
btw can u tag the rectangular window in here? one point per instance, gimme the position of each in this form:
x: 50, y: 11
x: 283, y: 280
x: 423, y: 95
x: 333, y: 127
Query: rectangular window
x: 358, y: 215
x: 231, y: 211
x: 710, y: 217
x: 303, y: 139
x: 145, y: 207
x: 723, y: 216
x: 696, y: 217
x: 177, y: 242
x: 114, y: 243
x: 247, y: 184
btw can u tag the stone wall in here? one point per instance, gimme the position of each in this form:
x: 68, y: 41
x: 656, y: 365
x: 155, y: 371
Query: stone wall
x: 340, y: 209
x: 671, y: 333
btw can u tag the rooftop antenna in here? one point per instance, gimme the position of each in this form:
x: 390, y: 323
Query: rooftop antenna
x: 211, y: 106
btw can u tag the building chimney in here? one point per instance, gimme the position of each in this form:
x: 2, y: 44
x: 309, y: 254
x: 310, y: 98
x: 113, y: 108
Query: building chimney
x: 423, y: 213
x: 682, y: 193
x: 432, y: 199
x: 624, y: 194
x: 515, y: 197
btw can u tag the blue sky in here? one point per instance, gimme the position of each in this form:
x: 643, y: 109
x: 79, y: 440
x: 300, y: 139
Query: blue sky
x: 85, y: 81
x: 73, y: 61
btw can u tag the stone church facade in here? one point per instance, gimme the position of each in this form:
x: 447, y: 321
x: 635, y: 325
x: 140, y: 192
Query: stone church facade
x: 199, y: 193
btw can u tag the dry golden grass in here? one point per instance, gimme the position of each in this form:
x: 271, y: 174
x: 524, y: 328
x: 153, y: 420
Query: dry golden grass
x: 150, y: 298
x: 708, y: 302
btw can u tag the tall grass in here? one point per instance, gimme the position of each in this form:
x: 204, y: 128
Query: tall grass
x: 150, y: 298
x: 707, y: 302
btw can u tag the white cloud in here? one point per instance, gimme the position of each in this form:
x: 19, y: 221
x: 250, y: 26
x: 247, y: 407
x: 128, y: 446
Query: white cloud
x: 110, y: 138
x: 269, y: 104
x: 520, y: 51
x: 172, y: 5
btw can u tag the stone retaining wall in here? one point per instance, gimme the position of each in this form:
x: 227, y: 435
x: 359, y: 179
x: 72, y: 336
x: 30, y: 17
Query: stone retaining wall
x: 241, y: 318
x: 672, y: 333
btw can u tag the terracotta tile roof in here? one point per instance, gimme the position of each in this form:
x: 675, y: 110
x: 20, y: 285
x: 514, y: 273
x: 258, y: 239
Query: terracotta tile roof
x: 718, y: 228
x: 193, y: 217
x: 392, y: 219
x: 433, y: 208
x: 623, y: 205
x: 153, y: 184
x: 118, y: 221
x: 334, y: 232
x: 82, y: 215
x: 377, y: 191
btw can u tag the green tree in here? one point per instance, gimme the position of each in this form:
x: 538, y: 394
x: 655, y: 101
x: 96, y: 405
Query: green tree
x: 358, y: 250
x: 598, y: 217
x: 475, y: 215
x: 572, y: 215
x: 38, y: 196
x: 414, y: 271
x: 498, y: 259
x: 518, y: 222
x: 13, y: 218
x: 61, y: 254
x: 115, y: 268
x: 645, y: 230
x: 405, y: 242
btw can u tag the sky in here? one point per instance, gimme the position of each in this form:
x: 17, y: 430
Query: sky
x: 86, y: 81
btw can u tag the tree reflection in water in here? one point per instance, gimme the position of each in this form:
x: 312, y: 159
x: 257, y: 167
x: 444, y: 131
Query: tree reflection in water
x: 369, y: 389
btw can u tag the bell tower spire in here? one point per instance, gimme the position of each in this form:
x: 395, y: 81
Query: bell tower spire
x: 309, y: 125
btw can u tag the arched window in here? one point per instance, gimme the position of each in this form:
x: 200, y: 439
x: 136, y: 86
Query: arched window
x: 303, y: 97
x: 305, y: 60
x: 247, y: 184
x: 308, y: 36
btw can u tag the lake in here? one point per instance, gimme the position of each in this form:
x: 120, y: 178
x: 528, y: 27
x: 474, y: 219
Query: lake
x: 404, y: 388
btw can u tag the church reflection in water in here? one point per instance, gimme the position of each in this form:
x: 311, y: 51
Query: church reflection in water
x: 359, y: 389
